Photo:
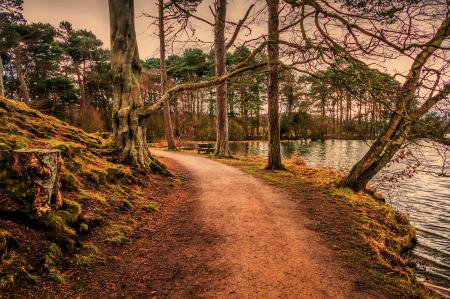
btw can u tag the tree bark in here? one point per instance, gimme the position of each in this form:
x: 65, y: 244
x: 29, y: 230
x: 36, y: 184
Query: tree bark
x: 168, y: 131
x: 2, y: 86
x: 222, y: 146
x: 129, y: 128
x: 274, y: 161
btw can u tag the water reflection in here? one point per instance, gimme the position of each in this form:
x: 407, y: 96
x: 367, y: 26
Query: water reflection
x: 425, y: 197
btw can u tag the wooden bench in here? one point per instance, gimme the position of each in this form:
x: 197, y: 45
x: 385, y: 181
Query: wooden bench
x: 205, y: 147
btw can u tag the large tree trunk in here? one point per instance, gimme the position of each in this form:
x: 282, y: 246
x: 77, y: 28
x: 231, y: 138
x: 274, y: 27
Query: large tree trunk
x: 129, y: 128
x: 222, y: 146
x: 274, y: 161
x: 2, y: 86
x: 163, y: 73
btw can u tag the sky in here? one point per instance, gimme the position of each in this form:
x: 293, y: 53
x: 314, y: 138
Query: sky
x: 93, y: 15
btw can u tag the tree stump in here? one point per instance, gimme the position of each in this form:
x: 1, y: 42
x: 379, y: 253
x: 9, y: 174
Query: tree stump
x: 32, y: 178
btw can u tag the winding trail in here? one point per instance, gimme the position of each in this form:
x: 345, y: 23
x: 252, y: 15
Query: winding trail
x: 263, y: 248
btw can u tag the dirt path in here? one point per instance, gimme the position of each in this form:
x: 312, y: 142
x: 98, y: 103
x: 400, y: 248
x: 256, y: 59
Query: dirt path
x: 220, y: 233
x: 258, y: 245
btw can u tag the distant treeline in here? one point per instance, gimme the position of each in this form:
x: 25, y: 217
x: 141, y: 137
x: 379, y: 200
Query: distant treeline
x: 66, y: 73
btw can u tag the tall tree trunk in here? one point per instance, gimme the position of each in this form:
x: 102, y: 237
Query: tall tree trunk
x: 273, y: 50
x: 163, y: 73
x: 129, y: 129
x: 84, y: 118
x: 2, y: 86
x: 22, y: 82
x: 83, y: 101
x: 222, y: 146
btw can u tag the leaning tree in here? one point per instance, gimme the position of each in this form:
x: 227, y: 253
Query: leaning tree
x: 369, y: 34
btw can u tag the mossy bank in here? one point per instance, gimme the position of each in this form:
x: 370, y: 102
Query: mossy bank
x: 100, y: 200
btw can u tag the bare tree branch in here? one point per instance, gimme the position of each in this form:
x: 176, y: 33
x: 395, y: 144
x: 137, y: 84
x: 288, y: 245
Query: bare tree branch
x: 238, y: 28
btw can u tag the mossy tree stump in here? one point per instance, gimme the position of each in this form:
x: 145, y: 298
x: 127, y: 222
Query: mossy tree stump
x: 31, y: 177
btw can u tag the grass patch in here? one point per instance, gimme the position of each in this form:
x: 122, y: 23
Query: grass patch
x: 51, y: 259
x: 54, y: 221
x: 91, y: 254
x: 126, y: 204
x: 152, y: 207
x: 118, y: 234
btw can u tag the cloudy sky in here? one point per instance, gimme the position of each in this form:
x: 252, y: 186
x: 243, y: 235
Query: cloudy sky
x: 93, y: 15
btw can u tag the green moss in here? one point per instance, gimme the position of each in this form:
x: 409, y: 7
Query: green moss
x: 117, y: 234
x: 117, y: 238
x: 69, y: 182
x: 92, y: 219
x: 84, y: 227
x: 96, y: 176
x: 93, y: 249
x: 91, y: 254
x: 71, y: 206
x: 151, y: 207
x: 126, y: 204
x: 81, y: 260
x: 5, y: 147
x: 91, y: 195
x: 56, y: 275
x: 19, y: 143
x: 7, y: 280
x: 118, y: 174
x: 54, y: 221
x: 53, y: 255
x: 68, y: 149
x: 31, y: 277
x: 87, y: 177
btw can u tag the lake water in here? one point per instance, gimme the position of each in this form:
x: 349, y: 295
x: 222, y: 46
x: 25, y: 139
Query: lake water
x: 418, y: 185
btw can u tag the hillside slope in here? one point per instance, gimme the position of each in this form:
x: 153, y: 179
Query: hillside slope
x: 97, y: 194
